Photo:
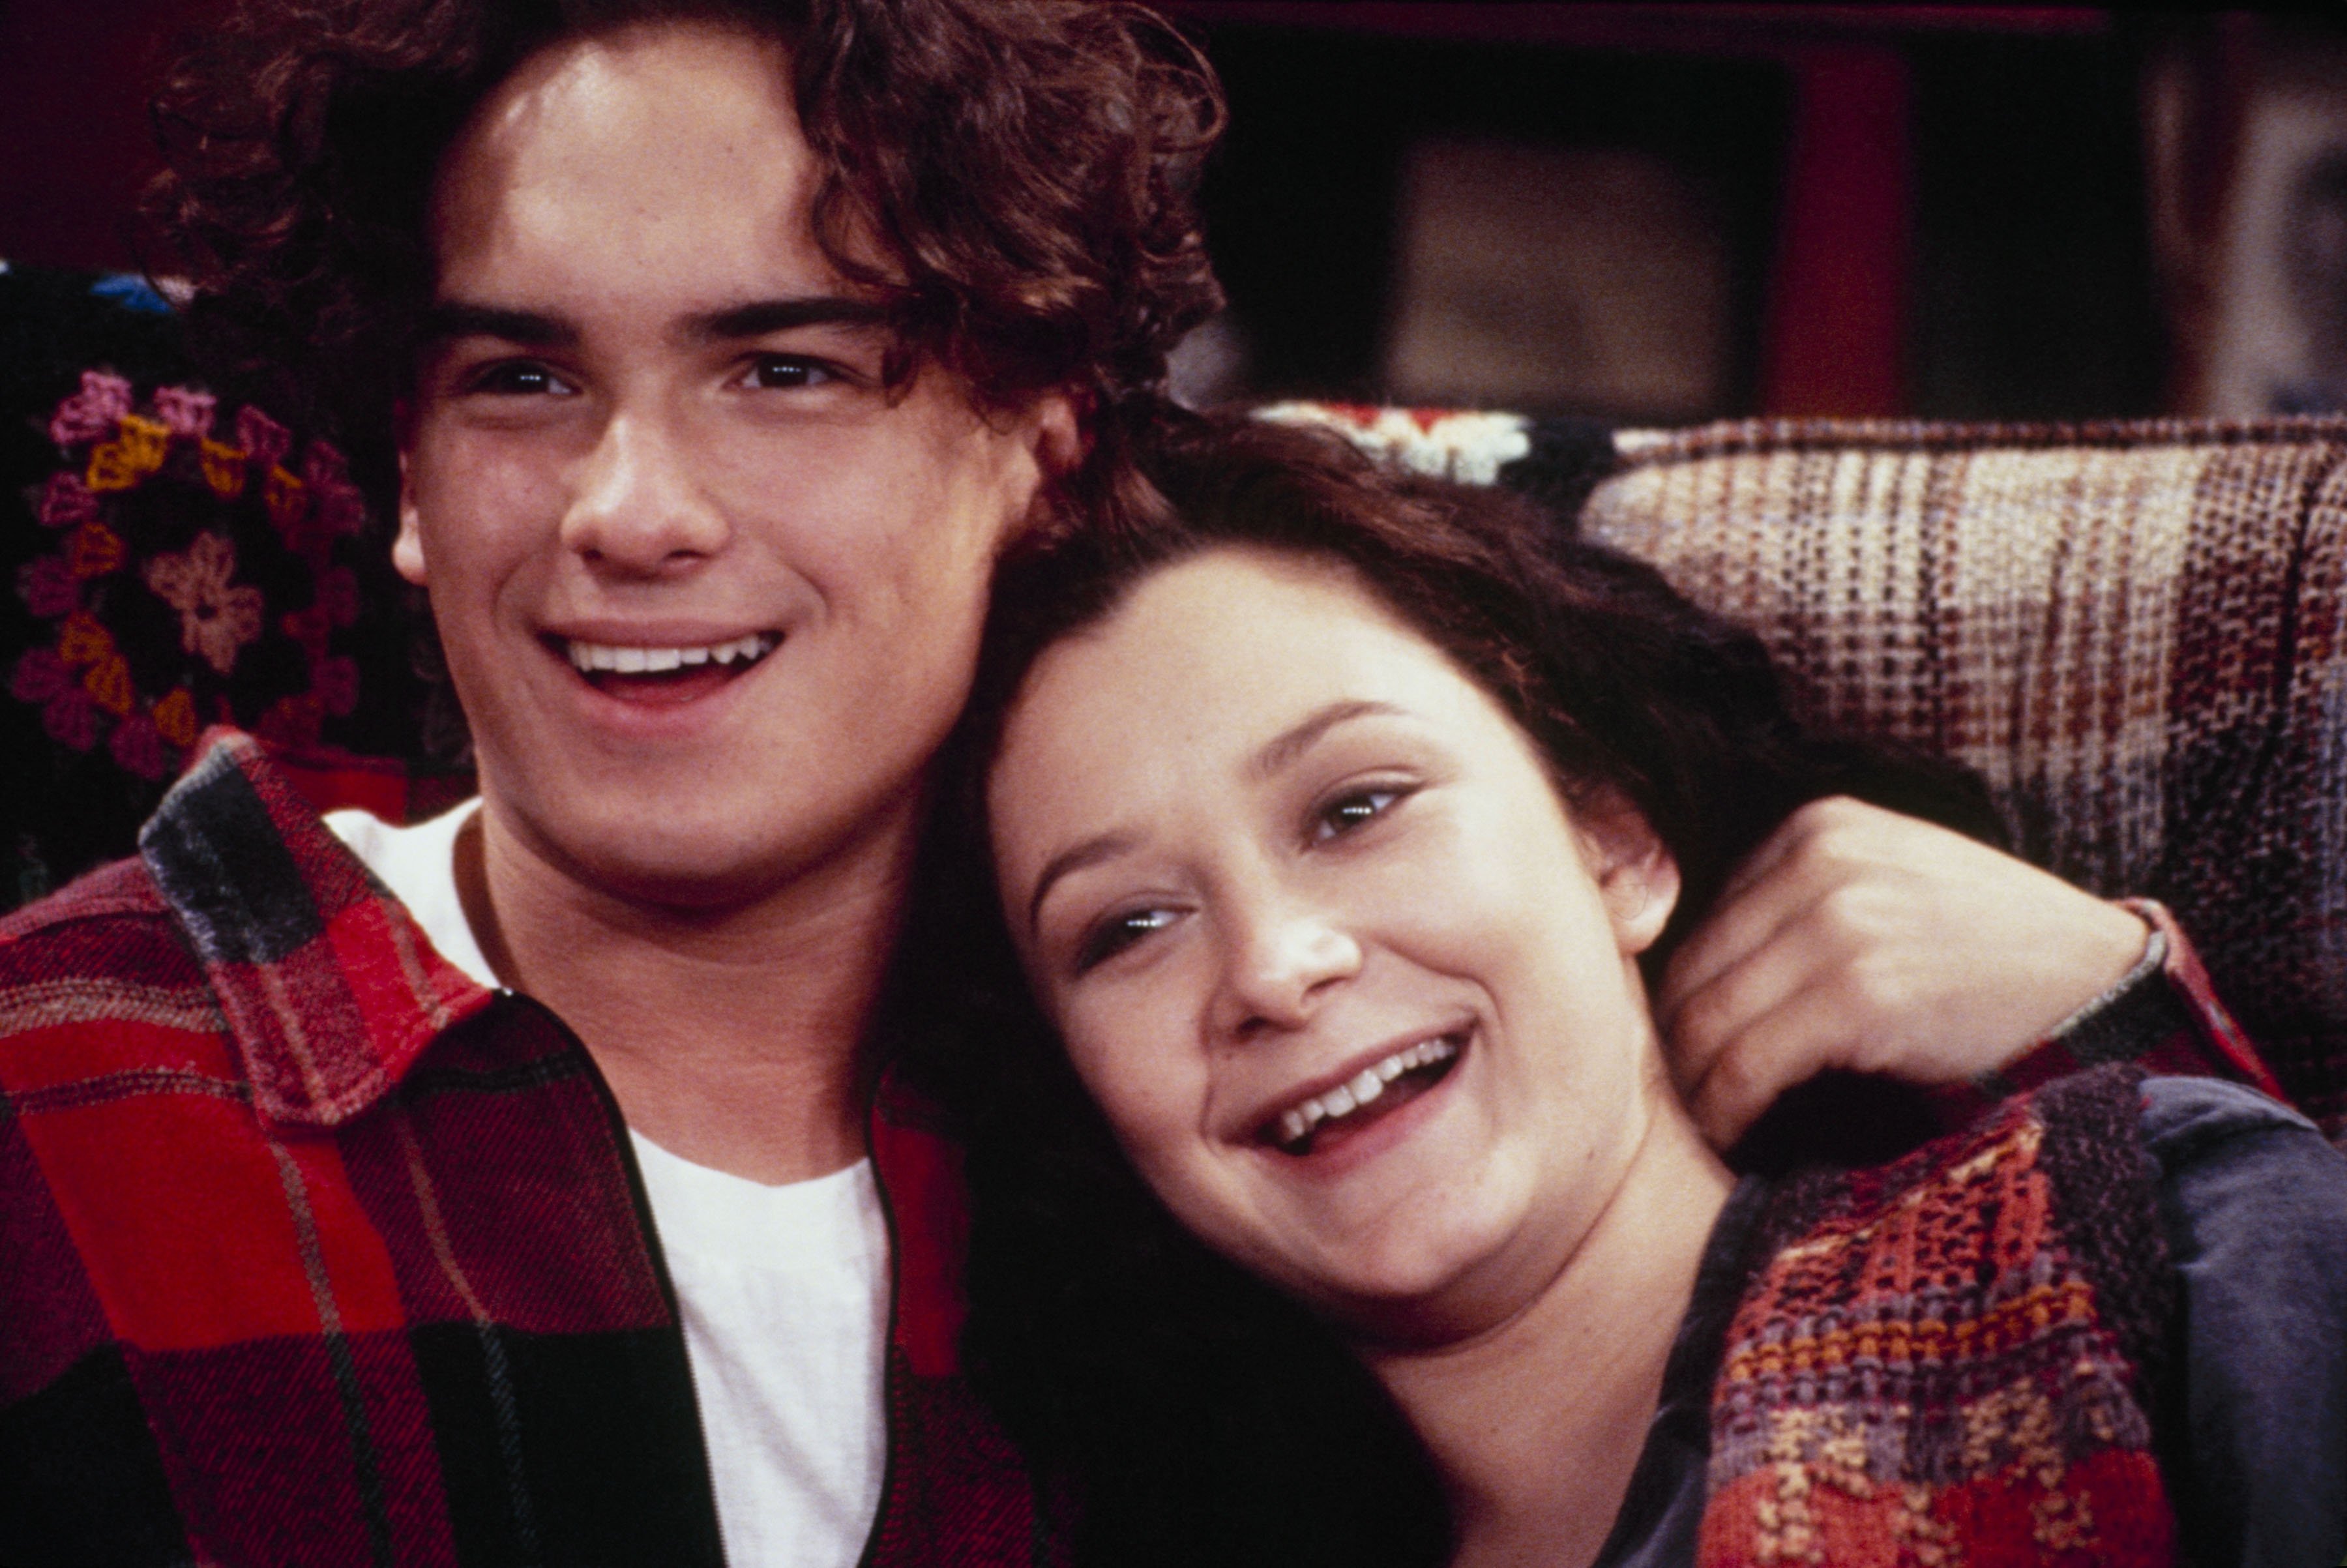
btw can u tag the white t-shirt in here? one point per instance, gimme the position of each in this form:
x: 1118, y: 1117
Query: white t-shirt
x: 783, y: 1290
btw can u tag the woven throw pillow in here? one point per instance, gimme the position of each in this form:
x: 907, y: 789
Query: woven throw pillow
x: 2136, y: 633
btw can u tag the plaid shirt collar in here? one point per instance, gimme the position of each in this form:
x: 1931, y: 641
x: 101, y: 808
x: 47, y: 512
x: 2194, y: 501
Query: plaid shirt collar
x: 329, y: 991
x: 325, y: 983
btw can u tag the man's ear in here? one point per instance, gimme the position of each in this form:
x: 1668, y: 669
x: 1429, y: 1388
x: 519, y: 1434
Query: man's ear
x: 1057, y: 439
x: 1062, y: 439
x: 1636, y: 872
x: 408, y: 544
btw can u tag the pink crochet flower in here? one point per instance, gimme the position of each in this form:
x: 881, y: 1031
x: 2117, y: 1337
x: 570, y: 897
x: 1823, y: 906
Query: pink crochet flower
x: 338, y: 595
x: 338, y: 510
x: 336, y: 682
x: 137, y: 745
x: 216, y: 618
x: 39, y: 675
x: 67, y: 502
x: 324, y: 464
x: 309, y: 628
x: 71, y: 718
x: 188, y: 411
x: 49, y: 587
x: 292, y: 722
x: 90, y: 413
x: 263, y: 437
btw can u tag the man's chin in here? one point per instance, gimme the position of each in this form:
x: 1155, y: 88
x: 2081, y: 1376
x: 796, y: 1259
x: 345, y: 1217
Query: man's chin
x: 690, y: 879
x: 694, y: 841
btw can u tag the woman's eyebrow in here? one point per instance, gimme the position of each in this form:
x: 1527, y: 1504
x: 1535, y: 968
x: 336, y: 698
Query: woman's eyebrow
x: 1075, y: 857
x: 1274, y: 754
x: 1294, y: 741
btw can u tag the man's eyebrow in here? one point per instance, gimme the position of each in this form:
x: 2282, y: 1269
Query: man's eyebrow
x: 447, y: 319
x: 1091, y: 852
x: 1290, y: 743
x: 759, y: 317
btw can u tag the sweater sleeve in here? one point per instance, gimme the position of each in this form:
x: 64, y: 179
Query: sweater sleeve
x: 2254, y: 1441
x: 2162, y: 1014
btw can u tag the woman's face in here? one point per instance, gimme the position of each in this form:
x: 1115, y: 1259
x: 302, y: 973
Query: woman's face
x: 1356, y: 991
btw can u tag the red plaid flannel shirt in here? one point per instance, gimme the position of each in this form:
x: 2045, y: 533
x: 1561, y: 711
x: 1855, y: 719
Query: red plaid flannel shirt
x: 312, y: 1251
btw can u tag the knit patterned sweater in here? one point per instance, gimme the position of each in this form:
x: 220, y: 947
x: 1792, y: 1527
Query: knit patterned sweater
x: 1952, y: 1358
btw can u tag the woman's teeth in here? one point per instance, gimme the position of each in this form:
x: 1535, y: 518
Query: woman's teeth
x: 1364, y: 1088
x: 588, y: 658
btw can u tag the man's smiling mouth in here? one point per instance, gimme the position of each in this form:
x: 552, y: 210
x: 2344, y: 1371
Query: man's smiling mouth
x: 665, y: 674
x: 1382, y: 1087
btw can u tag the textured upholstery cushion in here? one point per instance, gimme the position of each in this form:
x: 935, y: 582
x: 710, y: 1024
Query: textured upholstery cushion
x: 2136, y: 633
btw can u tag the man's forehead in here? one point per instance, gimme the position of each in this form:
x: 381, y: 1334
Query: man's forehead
x: 579, y: 80
x: 661, y: 170
x: 668, y: 145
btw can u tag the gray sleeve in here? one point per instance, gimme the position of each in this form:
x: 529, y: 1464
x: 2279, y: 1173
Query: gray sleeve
x: 2254, y: 1203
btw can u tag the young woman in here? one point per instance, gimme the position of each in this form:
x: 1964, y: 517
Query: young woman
x: 1338, y: 820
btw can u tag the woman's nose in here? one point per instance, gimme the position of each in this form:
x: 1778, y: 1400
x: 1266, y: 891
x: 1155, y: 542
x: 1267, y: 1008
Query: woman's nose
x: 638, y: 506
x: 1283, y: 955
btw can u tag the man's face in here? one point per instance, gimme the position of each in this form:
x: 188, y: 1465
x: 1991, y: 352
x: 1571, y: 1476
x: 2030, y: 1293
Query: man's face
x: 710, y: 593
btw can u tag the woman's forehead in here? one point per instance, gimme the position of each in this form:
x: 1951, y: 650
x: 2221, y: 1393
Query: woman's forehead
x: 1224, y: 634
x: 1212, y: 672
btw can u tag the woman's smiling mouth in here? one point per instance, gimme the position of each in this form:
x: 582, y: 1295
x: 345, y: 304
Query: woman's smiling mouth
x: 1382, y: 1087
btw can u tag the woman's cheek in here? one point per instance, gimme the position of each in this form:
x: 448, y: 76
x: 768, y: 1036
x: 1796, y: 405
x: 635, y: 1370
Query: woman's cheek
x: 1152, y: 1092
x: 1107, y: 1060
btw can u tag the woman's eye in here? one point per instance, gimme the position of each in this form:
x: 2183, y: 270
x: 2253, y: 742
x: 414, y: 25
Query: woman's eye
x: 1118, y: 932
x: 1348, y: 812
x: 519, y: 378
x: 781, y: 371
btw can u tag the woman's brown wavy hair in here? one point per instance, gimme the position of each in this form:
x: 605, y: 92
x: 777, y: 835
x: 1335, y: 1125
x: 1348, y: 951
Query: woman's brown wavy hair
x: 1202, y: 1416
x: 1025, y: 170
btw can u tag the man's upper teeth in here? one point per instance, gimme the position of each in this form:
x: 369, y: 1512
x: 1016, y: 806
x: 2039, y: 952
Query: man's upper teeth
x: 1362, y: 1088
x: 637, y: 661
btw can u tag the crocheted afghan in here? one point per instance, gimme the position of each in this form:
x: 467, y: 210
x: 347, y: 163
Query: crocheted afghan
x: 1948, y: 1360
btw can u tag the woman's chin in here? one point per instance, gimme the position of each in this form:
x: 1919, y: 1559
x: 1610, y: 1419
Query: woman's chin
x: 1414, y: 1307
x: 1434, y: 1268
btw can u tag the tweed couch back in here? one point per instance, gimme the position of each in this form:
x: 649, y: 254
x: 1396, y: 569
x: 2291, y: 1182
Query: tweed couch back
x: 2136, y: 633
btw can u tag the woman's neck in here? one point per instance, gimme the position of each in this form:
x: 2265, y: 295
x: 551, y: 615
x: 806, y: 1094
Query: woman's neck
x: 1536, y: 1425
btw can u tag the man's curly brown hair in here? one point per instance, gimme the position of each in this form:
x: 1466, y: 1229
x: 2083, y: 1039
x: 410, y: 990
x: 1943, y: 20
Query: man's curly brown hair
x: 1024, y: 169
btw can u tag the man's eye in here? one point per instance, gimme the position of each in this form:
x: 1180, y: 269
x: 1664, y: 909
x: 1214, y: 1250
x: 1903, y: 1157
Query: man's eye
x: 780, y: 371
x: 1348, y: 812
x: 1118, y: 932
x: 519, y: 378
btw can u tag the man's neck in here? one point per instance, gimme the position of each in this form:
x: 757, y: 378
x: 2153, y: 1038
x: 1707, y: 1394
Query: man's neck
x: 731, y: 1038
x: 1537, y: 1426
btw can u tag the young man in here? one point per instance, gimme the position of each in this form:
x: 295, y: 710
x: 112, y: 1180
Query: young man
x: 720, y: 348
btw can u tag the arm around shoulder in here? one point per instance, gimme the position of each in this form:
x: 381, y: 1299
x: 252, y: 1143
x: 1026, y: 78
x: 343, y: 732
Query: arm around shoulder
x: 2163, y: 1015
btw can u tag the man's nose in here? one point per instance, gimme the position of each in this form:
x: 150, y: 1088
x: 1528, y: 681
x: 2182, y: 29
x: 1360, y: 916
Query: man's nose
x: 1283, y: 955
x: 638, y: 506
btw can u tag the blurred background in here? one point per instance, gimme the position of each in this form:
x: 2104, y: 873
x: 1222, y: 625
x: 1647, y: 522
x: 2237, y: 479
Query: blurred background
x: 1649, y: 213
